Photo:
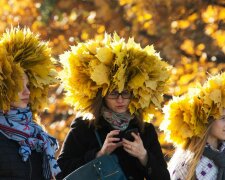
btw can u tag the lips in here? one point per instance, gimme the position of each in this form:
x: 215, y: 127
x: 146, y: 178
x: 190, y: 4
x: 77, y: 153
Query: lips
x: 120, y: 106
x: 25, y: 100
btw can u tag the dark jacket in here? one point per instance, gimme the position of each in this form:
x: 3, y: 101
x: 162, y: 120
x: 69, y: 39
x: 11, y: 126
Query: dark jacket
x: 81, y: 146
x: 11, y: 165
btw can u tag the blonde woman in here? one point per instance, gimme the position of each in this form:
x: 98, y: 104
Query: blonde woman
x: 26, y: 71
x: 195, y: 123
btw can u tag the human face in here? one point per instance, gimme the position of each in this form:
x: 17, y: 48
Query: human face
x: 118, y: 102
x: 23, y: 96
x: 217, y: 132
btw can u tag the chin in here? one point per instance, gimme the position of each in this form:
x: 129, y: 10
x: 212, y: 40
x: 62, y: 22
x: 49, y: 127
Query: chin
x: 20, y: 106
x: 120, y: 111
x: 24, y: 106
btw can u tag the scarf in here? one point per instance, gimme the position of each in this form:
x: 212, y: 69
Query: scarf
x: 218, y: 157
x: 18, y: 125
x: 118, y: 121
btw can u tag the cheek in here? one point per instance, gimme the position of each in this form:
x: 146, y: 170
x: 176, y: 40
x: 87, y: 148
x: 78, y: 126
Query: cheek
x: 217, y: 128
x: 108, y: 103
x: 20, y: 94
x: 128, y: 102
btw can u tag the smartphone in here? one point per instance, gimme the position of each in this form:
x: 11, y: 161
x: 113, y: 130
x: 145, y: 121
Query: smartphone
x: 127, y: 134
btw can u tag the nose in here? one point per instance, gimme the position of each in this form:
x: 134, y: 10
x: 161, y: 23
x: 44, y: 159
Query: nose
x: 26, y: 90
x: 120, y: 98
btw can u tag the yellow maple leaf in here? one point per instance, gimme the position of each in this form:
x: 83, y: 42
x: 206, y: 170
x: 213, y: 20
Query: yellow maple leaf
x: 119, y: 78
x: 105, y: 55
x: 215, y: 95
x: 100, y: 74
x: 137, y: 81
x: 151, y: 84
x: 92, y: 46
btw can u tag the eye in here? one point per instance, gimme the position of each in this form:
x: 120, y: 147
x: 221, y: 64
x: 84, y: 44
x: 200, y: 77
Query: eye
x: 125, y: 92
x: 114, y: 93
x: 223, y: 118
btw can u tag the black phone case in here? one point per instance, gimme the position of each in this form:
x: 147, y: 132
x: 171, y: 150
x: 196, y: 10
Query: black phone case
x: 127, y: 134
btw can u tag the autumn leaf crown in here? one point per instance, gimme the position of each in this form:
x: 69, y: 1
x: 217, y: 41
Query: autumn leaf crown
x: 21, y: 52
x: 114, y: 64
x: 189, y: 115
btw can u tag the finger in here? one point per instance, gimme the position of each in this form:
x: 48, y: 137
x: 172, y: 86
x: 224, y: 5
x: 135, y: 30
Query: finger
x: 129, y: 150
x: 126, y: 141
x: 127, y: 146
x: 113, y: 133
x: 136, y: 137
x: 119, y: 144
x: 113, y: 139
x: 110, y: 145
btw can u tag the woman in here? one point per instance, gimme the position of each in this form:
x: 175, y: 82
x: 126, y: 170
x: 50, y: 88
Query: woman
x: 27, y: 151
x: 116, y: 82
x: 195, y: 123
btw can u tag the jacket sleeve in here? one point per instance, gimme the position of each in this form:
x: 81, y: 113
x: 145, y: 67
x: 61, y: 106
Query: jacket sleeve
x: 156, y: 167
x: 75, y: 150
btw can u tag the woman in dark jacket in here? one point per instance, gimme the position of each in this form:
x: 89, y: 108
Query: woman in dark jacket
x: 26, y: 150
x: 82, y: 136
x: 103, y: 78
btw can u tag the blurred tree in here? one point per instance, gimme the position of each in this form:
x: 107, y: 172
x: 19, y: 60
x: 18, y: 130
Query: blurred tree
x: 189, y: 34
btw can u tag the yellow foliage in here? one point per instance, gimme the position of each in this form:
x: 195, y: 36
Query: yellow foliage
x: 113, y: 64
x: 24, y: 52
x: 187, y: 116
x: 210, y: 14
x: 105, y: 55
x: 100, y: 74
x: 183, y: 24
x: 156, y: 21
x: 188, y: 46
x: 219, y: 36
x: 84, y: 36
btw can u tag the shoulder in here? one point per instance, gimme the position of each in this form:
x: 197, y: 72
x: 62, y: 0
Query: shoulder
x: 80, y: 125
x: 148, y: 125
x: 179, y: 164
x: 80, y: 122
x: 149, y: 128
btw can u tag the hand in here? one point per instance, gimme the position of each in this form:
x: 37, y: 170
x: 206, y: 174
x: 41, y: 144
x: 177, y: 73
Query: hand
x: 110, y: 143
x: 136, y: 148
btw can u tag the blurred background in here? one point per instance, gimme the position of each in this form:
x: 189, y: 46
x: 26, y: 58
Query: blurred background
x: 189, y: 34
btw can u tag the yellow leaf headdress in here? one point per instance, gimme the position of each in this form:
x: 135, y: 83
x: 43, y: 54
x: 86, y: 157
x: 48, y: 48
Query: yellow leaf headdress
x: 22, y: 51
x: 188, y: 116
x: 114, y: 64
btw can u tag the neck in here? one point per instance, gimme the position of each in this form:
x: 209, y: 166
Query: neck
x: 214, y: 142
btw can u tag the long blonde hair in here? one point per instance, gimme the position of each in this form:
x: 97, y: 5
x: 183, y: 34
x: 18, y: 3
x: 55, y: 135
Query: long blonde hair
x: 196, y: 146
x: 191, y: 153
